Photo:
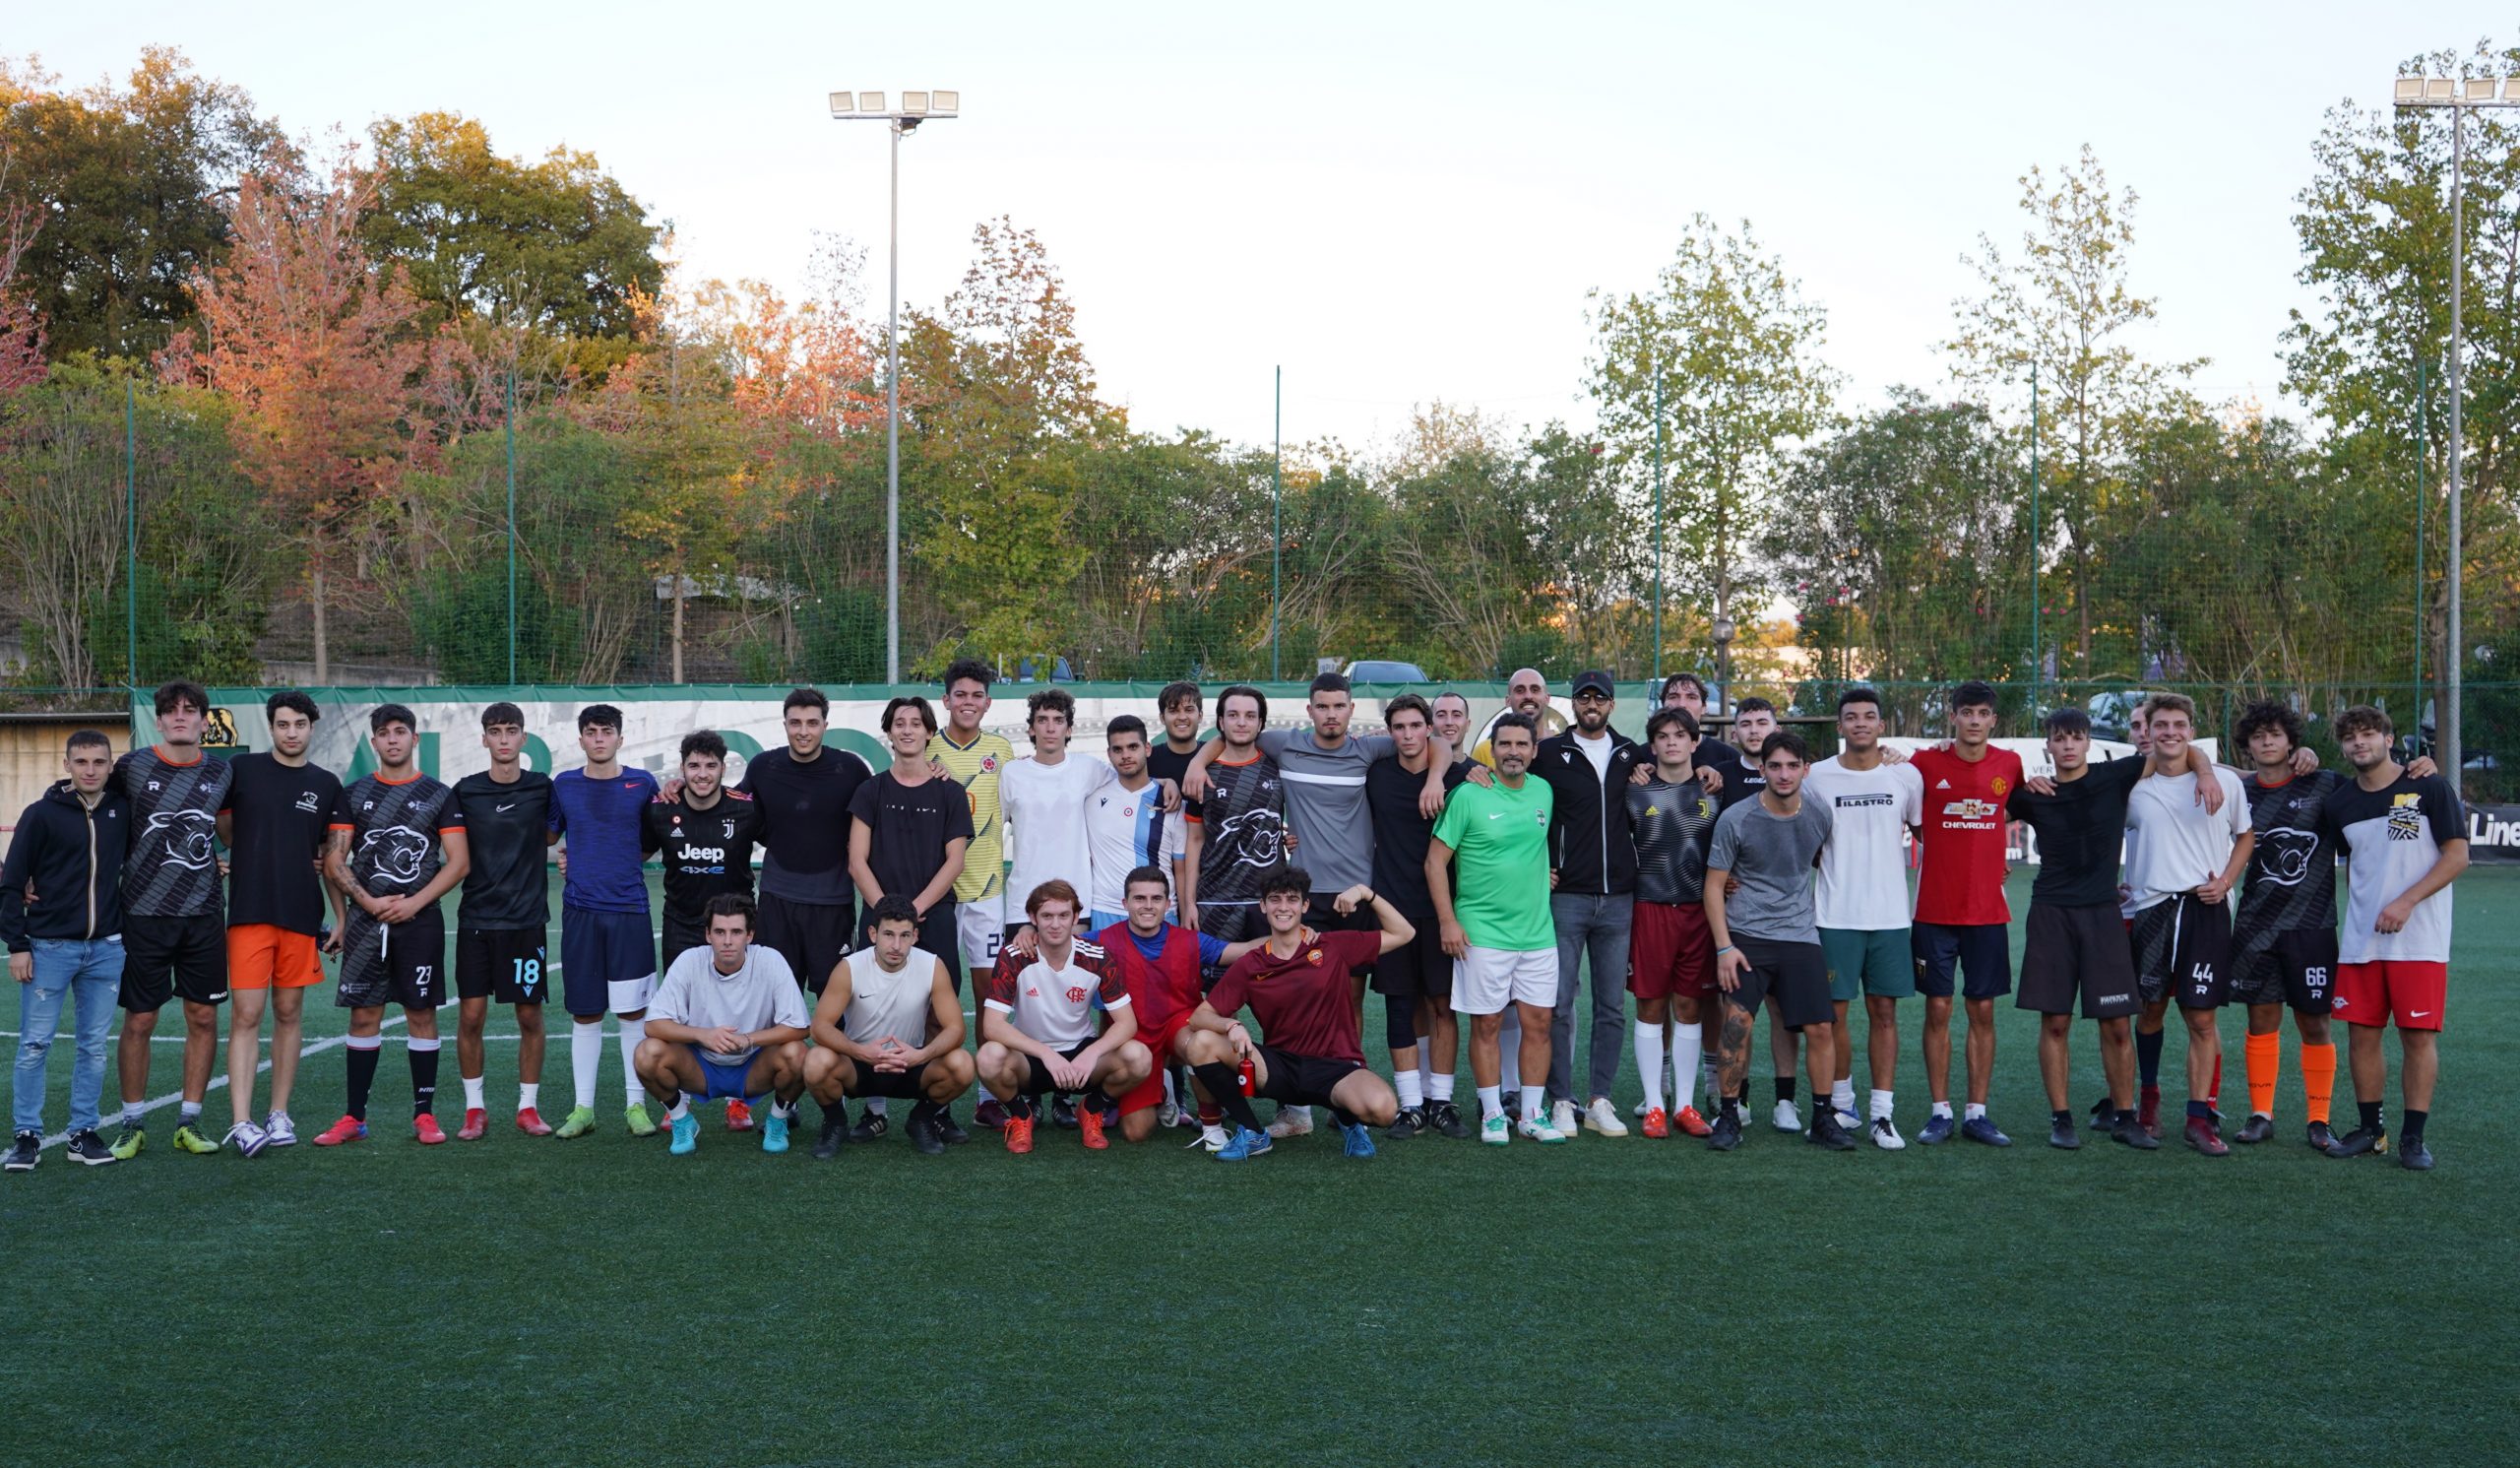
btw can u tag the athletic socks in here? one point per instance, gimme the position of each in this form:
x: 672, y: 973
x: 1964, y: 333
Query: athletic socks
x: 1021, y: 1106
x: 1688, y: 1046
x: 1649, y: 1062
x: 585, y: 1053
x: 1227, y: 1089
x: 2214, y: 1092
x: 528, y: 1095
x: 363, y: 1048
x: 1492, y: 1102
x: 131, y: 1113
x: 1342, y: 1115
x: 2148, y: 1059
x: 1842, y: 1097
x: 423, y: 1058
x: 472, y: 1093
x: 875, y: 1106
x: 785, y: 1111
x: 681, y: 1107
x: 1785, y: 1088
x: 2065, y: 1119
x: 1533, y: 1097
x: 2412, y: 1131
x: 2199, y: 1110
x: 632, y: 1032
x: 1942, y: 1109
x: 1439, y: 1086
x: 1973, y: 1111
x: 2370, y: 1111
x: 1413, y: 1093
x: 187, y: 1113
x: 2318, y: 1080
x: 2265, y: 1059
x: 1881, y: 1104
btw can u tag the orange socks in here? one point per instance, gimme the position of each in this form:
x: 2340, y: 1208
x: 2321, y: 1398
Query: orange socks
x: 2265, y: 1062
x: 2318, y: 1077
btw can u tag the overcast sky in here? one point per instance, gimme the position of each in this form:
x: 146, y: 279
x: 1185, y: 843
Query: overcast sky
x: 1397, y: 203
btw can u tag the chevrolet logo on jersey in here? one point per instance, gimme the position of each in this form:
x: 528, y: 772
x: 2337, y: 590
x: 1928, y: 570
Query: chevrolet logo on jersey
x: 1973, y: 809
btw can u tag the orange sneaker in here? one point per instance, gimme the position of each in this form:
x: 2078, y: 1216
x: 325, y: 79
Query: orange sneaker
x: 1658, y: 1122
x: 738, y: 1114
x: 477, y: 1124
x: 1089, y: 1123
x: 346, y: 1129
x: 424, y: 1126
x: 1688, y: 1120
x: 1019, y: 1133
x: 530, y: 1122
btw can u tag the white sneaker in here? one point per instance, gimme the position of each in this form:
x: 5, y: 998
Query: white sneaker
x: 1539, y: 1129
x: 1496, y: 1131
x: 1167, y: 1115
x: 281, y: 1130
x: 1602, y: 1116
x: 1849, y: 1123
x: 1786, y: 1118
x: 1561, y: 1118
x: 248, y: 1139
x: 1637, y: 1110
x: 1886, y: 1136
x: 1291, y: 1120
x: 1212, y: 1139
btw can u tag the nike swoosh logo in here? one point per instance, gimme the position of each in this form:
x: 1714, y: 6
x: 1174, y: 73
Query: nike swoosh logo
x: 511, y: 805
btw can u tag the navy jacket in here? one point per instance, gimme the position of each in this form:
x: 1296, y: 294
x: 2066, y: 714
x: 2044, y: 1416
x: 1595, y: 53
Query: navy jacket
x: 72, y: 858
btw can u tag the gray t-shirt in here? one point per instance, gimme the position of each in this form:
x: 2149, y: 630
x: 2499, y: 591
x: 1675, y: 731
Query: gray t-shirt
x: 1770, y: 856
x: 759, y: 995
x: 1326, y: 802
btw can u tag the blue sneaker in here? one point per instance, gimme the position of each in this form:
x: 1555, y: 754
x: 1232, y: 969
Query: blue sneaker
x: 686, y: 1135
x: 774, y: 1133
x: 1983, y: 1129
x: 1360, y: 1142
x: 1937, y: 1129
x: 1246, y: 1143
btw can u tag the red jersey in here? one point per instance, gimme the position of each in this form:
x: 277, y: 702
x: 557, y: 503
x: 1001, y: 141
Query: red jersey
x: 1962, y: 880
x: 1304, y: 1004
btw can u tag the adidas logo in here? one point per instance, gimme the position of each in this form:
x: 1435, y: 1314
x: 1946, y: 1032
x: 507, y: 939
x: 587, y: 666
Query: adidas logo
x: 1942, y: 784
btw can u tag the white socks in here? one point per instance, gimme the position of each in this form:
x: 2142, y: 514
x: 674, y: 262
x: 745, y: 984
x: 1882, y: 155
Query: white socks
x: 1942, y: 1109
x: 874, y: 1106
x: 1492, y: 1102
x: 1412, y: 1094
x: 1649, y: 1062
x: 1688, y: 1046
x: 1842, y: 1097
x: 681, y: 1107
x: 1880, y: 1104
x: 1532, y: 1098
x: 529, y: 1095
x: 585, y: 1053
x: 632, y: 1032
x: 1439, y: 1086
x: 472, y: 1093
x: 1973, y: 1111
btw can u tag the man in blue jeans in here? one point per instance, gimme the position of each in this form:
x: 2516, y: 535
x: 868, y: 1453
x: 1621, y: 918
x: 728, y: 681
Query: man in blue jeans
x: 64, y: 943
x: 1592, y: 869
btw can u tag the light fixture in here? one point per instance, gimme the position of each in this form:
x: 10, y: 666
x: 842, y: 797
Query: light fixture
x: 2479, y: 89
x: 2410, y: 91
x: 870, y: 101
x: 913, y: 101
x: 2438, y: 88
x: 2511, y: 89
x: 945, y: 101
x: 845, y: 102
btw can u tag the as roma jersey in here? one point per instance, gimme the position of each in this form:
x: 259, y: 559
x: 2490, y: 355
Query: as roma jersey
x: 1962, y: 882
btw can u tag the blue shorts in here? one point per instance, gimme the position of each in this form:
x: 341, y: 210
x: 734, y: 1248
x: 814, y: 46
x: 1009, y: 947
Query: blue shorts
x: 1096, y: 921
x: 723, y: 1079
x: 607, y: 962
x: 1980, y: 953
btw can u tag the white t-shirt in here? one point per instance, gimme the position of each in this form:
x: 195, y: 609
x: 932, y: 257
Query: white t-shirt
x: 1055, y: 1005
x: 1864, y: 870
x: 2172, y: 844
x: 1598, y: 751
x: 1125, y: 828
x: 1043, y: 806
x: 757, y: 996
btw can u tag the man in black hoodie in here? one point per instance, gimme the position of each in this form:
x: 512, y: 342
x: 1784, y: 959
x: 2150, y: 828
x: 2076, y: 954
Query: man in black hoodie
x: 64, y: 943
x: 1591, y: 875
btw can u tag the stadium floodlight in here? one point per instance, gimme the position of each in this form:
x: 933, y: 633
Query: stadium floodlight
x: 2480, y: 90
x: 917, y: 107
x: 2410, y: 91
x: 2437, y: 90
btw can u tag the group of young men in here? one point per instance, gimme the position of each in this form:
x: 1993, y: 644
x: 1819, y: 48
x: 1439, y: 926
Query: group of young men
x: 1170, y: 885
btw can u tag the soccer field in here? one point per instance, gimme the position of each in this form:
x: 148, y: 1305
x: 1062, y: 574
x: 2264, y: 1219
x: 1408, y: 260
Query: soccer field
x: 531, y: 1301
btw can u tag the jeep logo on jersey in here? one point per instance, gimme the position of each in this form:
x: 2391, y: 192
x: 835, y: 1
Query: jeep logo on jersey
x: 186, y: 836
x: 394, y: 853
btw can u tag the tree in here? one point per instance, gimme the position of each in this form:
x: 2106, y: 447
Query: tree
x: 22, y: 328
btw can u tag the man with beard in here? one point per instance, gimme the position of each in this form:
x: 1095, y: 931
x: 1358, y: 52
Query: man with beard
x: 1592, y: 896
x: 1498, y: 926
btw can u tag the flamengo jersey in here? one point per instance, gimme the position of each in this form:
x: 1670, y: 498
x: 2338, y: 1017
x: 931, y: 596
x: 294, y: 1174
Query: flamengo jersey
x: 1055, y: 1005
x: 1125, y: 828
x: 975, y: 767
x: 1962, y: 880
x: 2392, y: 836
x: 2172, y: 844
x: 1864, y: 870
x: 172, y: 867
x: 2292, y: 871
x: 393, y: 828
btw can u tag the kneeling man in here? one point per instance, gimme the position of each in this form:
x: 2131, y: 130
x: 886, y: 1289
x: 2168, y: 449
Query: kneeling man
x: 729, y: 1022
x: 872, y: 1030
x: 1037, y: 1026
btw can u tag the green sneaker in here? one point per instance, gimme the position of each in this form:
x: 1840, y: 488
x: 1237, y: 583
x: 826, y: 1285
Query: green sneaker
x: 636, y: 1119
x: 127, y: 1146
x: 189, y: 1138
x: 581, y: 1122
x: 1496, y: 1131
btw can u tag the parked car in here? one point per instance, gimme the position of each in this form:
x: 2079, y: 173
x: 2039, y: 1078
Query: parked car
x: 1384, y: 670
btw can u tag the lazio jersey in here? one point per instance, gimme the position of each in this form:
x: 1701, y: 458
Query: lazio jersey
x: 976, y: 766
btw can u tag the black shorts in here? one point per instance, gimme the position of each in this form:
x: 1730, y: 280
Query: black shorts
x: 1979, y: 953
x: 1037, y: 1079
x: 1419, y: 968
x: 505, y: 964
x: 910, y: 1084
x: 2182, y: 951
x: 812, y: 937
x: 1796, y: 976
x: 2077, y: 951
x: 405, y: 964
x: 1301, y: 1080
x: 170, y: 958
x: 2295, y: 967
x: 678, y: 937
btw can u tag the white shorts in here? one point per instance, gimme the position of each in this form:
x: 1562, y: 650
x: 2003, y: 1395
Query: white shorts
x: 1490, y: 979
x: 630, y: 995
x: 982, y: 924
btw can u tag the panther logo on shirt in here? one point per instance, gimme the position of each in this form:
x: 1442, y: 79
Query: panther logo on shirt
x: 2284, y: 856
x: 186, y: 836
x: 396, y: 853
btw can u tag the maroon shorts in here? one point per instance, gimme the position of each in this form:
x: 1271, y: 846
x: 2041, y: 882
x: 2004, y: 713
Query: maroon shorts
x: 1669, y: 952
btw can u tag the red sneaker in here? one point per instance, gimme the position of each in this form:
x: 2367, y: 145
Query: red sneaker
x: 477, y: 1124
x: 1089, y: 1125
x: 1658, y: 1123
x: 424, y: 1126
x: 1019, y: 1133
x: 2206, y: 1137
x: 2148, y: 1111
x: 738, y: 1114
x: 530, y: 1122
x: 1688, y: 1120
x: 346, y: 1129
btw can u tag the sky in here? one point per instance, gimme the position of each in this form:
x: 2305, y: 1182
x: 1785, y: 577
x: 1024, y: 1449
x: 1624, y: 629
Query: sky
x: 1392, y: 203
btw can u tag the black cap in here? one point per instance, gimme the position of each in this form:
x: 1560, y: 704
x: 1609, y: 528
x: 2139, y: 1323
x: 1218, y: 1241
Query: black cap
x: 1596, y: 681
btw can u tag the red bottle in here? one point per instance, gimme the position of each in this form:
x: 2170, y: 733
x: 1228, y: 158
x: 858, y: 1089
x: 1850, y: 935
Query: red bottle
x: 1244, y: 1073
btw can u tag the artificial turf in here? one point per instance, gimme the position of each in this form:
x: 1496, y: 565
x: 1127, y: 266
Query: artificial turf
x: 529, y: 1301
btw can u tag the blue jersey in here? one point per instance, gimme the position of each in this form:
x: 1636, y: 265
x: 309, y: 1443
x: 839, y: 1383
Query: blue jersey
x: 601, y: 819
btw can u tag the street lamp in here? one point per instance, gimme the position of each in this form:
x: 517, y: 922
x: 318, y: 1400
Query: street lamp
x: 2461, y: 95
x: 917, y: 107
x: 1723, y: 630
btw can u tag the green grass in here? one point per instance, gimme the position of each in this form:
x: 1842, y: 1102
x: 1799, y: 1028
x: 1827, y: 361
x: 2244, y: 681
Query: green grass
x: 595, y: 1301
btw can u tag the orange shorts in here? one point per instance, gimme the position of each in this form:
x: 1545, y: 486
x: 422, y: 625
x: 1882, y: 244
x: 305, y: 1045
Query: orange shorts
x: 260, y: 955
x: 2408, y: 993
x: 1148, y: 1093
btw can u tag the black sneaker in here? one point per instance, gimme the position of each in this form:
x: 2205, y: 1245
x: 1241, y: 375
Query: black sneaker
x: 1411, y: 1121
x: 871, y: 1126
x: 1727, y: 1134
x: 835, y: 1132
x: 2415, y: 1157
x: 1445, y: 1120
x: 90, y: 1150
x: 2258, y: 1128
x: 1826, y: 1133
x: 923, y: 1134
x: 2128, y: 1131
x: 2322, y: 1138
x: 2104, y: 1113
x: 1063, y: 1112
x: 2360, y: 1141
x: 23, y: 1153
x: 952, y: 1134
x: 2062, y: 1136
x: 1513, y: 1102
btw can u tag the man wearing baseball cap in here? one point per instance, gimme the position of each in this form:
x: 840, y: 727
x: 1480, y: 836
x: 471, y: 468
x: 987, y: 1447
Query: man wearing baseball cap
x: 1591, y: 863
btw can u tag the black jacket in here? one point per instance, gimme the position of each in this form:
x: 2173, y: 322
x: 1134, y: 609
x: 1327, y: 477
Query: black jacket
x: 1589, y: 846
x: 73, y: 859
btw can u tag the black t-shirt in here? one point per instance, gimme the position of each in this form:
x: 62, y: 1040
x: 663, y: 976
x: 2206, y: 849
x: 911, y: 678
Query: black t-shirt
x: 906, y: 828
x: 1163, y: 763
x: 706, y: 853
x: 277, y: 816
x: 2082, y: 832
x: 2291, y: 871
x: 1740, y: 781
x: 804, y: 813
x: 1402, y: 835
x: 506, y: 829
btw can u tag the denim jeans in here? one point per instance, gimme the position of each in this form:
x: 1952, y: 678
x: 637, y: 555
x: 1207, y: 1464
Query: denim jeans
x: 1597, y: 923
x: 88, y: 976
